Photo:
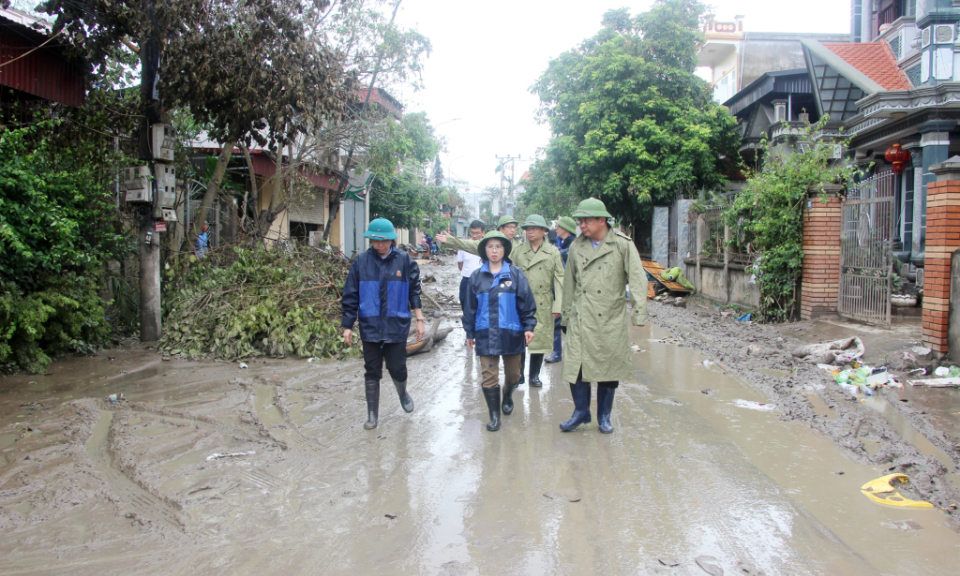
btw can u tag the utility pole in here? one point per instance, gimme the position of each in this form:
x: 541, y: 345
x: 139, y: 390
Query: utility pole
x: 147, y: 212
x: 506, y: 188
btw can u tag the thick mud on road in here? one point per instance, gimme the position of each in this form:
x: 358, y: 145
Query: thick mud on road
x: 210, y: 469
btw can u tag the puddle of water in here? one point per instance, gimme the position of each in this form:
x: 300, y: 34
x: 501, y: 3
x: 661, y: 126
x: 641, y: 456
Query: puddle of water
x: 820, y: 407
x: 942, y: 405
x: 8, y: 440
x: 803, y: 463
x: 907, y: 431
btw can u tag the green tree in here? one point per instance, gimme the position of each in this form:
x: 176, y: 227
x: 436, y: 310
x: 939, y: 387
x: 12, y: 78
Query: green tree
x: 400, y: 160
x: 769, y: 212
x: 631, y: 122
x: 56, y: 231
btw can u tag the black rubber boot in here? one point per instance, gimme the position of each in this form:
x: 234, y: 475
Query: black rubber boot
x: 557, y: 345
x: 373, y: 404
x: 492, y: 395
x: 536, y: 362
x: 581, y: 402
x: 604, y: 407
x: 406, y: 402
x: 507, y: 404
x: 523, y: 366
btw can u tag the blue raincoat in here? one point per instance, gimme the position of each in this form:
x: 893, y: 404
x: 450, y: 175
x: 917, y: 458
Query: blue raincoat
x: 498, y: 309
x: 380, y: 292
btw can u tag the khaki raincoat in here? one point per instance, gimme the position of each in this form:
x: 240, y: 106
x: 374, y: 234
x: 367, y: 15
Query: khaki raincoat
x: 544, y: 271
x: 595, y: 309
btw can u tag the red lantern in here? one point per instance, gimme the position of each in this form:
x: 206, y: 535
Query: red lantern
x: 898, y: 157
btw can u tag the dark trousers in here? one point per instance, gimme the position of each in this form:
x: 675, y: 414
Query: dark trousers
x: 463, y: 290
x: 614, y: 384
x: 395, y: 355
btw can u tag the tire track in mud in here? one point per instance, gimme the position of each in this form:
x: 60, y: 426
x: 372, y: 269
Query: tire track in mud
x: 146, y: 507
x: 260, y: 437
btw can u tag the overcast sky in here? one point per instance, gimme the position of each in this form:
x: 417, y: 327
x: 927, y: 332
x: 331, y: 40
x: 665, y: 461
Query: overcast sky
x: 487, y: 54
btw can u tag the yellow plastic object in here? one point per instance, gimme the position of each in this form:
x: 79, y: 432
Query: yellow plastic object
x: 881, y: 490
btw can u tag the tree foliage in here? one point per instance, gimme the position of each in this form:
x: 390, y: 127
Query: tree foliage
x: 401, y: 191
x: 57, y: 229
x: 630, y: 121
x: 770, y: 208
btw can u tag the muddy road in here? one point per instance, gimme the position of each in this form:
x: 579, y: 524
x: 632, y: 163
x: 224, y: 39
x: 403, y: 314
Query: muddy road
x: 206, y: 468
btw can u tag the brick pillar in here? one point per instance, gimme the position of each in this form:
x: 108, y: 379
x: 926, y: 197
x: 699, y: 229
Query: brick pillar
x: 942, y: 239
x: 820, y: 278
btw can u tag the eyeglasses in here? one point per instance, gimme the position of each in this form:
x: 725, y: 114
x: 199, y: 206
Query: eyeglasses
x: 494, y: 247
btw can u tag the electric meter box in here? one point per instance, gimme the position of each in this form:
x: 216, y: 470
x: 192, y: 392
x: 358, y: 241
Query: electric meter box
x: 166, y: 177
x: 140, y: 195
x: 161, y: 141
x: 136, y: 178
x: 169, y: 214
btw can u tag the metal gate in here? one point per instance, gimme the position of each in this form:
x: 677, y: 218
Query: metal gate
x: 866, y: 250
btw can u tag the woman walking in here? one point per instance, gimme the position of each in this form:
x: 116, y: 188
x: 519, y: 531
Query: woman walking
x: 499, y: 319
x: 382, y: 288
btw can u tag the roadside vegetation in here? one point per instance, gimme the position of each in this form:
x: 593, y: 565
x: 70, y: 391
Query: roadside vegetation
x: 282, y: 76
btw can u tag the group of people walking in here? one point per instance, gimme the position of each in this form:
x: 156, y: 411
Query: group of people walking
x: 516, y: 300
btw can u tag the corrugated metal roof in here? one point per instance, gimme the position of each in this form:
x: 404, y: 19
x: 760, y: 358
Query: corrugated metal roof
x: 42, y: 72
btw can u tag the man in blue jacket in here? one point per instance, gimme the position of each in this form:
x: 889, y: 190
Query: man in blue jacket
x: 383, y: 286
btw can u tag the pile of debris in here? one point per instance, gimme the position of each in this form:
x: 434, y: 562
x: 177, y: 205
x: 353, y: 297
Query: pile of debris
x: 256, y: 302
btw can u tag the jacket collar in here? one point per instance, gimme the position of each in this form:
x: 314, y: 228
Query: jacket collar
x: 587, y: 254
x: 504, y: 271
x: 393, y: 252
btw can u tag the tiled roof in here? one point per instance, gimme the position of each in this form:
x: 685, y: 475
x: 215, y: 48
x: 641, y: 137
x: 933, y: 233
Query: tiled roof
x: 873, y: 59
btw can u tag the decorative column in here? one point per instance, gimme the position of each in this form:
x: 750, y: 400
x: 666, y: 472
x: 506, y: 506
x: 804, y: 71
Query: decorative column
x: 943, y: 238
x: 935, y: 144
x: 820, y: 276
x: 914, y: 205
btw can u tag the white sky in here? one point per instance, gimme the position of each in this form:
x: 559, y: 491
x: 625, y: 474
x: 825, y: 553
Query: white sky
x: 486, y: 55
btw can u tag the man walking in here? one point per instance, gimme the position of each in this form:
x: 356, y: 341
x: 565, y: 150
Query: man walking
x: 566, y: 230
x: 541, y: 264
x: 600, y: 264
x: 382, y: 288
x: 468, y: 262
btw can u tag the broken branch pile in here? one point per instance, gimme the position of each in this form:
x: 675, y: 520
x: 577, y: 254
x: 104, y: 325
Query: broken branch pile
x: 259, y: 301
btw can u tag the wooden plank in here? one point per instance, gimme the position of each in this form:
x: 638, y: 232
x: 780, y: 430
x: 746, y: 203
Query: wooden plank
x: 655, y: 269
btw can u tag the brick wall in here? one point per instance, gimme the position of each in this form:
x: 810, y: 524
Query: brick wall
x: 820, y: 279
x: 942, y: 239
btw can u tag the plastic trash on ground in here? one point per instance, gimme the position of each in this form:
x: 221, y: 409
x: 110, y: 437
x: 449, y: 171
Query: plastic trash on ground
x: 763, y: 407
x: 882, y: 490
x: 839, y: 352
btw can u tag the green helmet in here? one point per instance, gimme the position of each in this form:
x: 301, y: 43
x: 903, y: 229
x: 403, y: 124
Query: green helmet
x: 381, y: 229
x: 535, y: 220
x: 504, y: 220
x: 482, y: 247
x: 591, y: 207
x: 568, y: 224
